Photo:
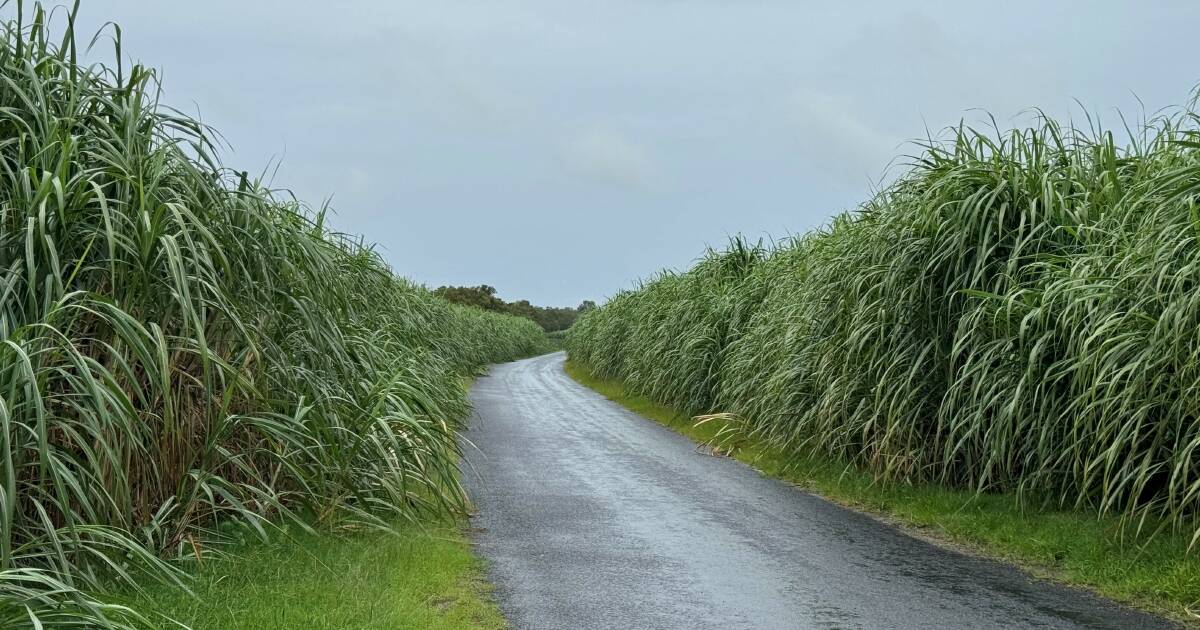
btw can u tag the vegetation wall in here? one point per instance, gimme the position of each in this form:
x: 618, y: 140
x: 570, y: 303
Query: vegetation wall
x: 182, y: 348
x: 1019, y: 311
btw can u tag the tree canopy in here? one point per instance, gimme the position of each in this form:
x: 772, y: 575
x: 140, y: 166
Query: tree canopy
x: 484, y: 297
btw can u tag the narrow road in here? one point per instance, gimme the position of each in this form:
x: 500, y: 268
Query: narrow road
x: 592, y: 517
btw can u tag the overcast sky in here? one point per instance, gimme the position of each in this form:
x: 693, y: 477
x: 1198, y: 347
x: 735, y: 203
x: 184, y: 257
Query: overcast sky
x: 560, y: 150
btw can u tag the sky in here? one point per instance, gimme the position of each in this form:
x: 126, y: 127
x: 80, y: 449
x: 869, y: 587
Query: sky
x: 559, y: 150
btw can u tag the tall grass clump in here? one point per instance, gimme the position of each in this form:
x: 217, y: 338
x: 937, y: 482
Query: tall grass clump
x: 179, y: 347
x: 1019, y: 311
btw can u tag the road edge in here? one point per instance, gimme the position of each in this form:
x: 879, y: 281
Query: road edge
x: 683, y: 424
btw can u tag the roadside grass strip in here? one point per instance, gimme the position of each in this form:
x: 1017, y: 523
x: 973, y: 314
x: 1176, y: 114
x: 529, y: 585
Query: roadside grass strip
x: 421, y: 577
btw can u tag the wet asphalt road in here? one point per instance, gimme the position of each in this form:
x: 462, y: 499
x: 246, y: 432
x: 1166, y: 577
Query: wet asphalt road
x: 592, y: 517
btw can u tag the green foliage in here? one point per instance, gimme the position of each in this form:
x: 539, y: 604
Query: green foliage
x: 482, y: 296
x: 1018, y: 312
x: 551, y: 319
x: 180, y: 347
x: 420, y: 577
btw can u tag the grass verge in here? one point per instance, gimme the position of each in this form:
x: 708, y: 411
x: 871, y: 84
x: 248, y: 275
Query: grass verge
x: 1159, y: 575
x: 420, y: 578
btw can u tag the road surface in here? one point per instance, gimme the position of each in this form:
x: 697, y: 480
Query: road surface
x: 592, y: 517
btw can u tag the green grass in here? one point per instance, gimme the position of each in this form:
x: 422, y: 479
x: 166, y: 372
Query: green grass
x: 181, y: 346
x: 420, y: 578
x: 1015, y: 312
x: 1073, y: 547
x: 417, y: 575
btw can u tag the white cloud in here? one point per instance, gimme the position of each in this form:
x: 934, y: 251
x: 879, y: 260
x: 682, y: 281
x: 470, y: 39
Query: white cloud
x: 841, y: 143
x: 608, y: 157
x: 358, y: 179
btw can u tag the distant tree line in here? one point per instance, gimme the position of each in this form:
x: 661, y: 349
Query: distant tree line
x: 484, y: 297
